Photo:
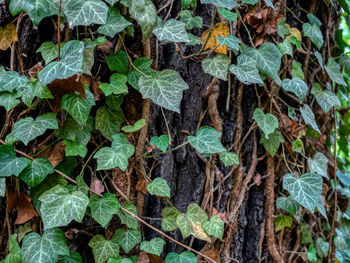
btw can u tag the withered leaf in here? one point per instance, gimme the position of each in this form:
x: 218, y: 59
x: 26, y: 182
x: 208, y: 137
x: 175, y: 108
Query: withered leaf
x: 220, y: 29
x: 21, y: 202
x: 7, y: 36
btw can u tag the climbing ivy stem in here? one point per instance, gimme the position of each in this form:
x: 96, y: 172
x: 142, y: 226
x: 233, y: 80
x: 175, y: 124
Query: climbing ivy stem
x: 92, y: 154
x: 46, y: 147
x: 246, y: 29
x: 168, y: 151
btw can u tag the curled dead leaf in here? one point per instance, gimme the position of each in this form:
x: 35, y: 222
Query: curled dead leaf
x: 143, y: 257
x: 33, y: 71
x: 21, y: 203
x: 213, y: 254
x: 294, y: 32
x: 199, y: 232
x: 220, y: 29
x: 141, y: 186
x: 96, y: 185
x: 7, y: 36
x: 55, y: 155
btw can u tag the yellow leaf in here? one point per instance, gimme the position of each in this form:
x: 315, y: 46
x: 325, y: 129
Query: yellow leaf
x: 294, y: 32
x: 220, y: 29
x: 7, y: 36
x: 199, y: 232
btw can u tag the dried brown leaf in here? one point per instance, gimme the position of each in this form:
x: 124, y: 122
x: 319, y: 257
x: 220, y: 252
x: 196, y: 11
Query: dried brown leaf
x: 21, y: 203
x: 96, y: 185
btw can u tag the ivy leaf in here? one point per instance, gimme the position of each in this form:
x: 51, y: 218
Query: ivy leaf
x: 15, y: 251
x: 306, y: 190
x: 145, y: 13
x: 59, y: 207
x: 319, y: 59
x: 162, y: 142
x: 121, y: 143
x: 311, y: 253
x: 74, y: 149
x: 159, y: 187
x: 184, y: 257
x: 36, y: 9
x: 103, y: 209
x: 268, y: 59
x: 126, y: 218
x: 325, y: 98
x: 314, y: 33
x: 108, y: 122
x: 273, y: 142
x: 314, y: 20
x: 246, y: 70
x: 298, y: 146
x: 36, y: 171
x: 9, y: 100
x: 285, y: 47
x: 112, y: 2
x: 184, y: 225
x: 321, y: 208
x: 266, y: 122
x: 107, y: 158
x: 288, y: 204
x: 32, y: 90
x: 127, y: 239
x: 143, y: 65
x: 229, y: 4
x: 115, y: 23
x: 136, y: 127
x: 49, y: 51
x: 155, y: 246
x: 2, y: 186
x: 229, y: 41
x: 269, y: 3
x: 228, y: 15
x: 214, y: 227
x: 318, y: 164
x: 104, y: 249
x: 81, y: 185
x: 45, y: 248
x: 169, y: 215
x: 117, y: 85
x: 119, y: 62
x: 9, y: 163
x: 88, y: 56
x: 207, y: 140
x: 28, y: 129
x: 70, y: 64
x: 165, y: 89
x: 190, y: 21
x: 297, y: 86
x: 334, y: 71
x: 85, y: 12
x: 78, y: 107
x: 217, y: 66
x: 309, y: 117
x: 74, y: 257
x: 171, y: 31
x: 282, y: 221
x: 229, y: 158
x: 297, y: 71
x: 282, y: 29
x: 196, y: 216
x: 10, y: 80
x: 305, y: 234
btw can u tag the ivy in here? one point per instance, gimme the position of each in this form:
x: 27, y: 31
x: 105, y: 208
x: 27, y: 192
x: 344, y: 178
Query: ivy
x: 216, y: 66
x: 155, y: 246
x: 104, y: 249
x: 207, y: 140
x: 103, y: 209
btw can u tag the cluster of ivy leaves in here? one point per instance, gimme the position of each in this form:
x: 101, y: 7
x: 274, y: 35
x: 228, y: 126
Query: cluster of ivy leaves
x: 59, y: 203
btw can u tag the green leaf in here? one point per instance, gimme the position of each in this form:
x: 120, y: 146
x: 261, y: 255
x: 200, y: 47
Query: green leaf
x: 228, y: 15
x: 171, y: 31
x: 145, y: 13
x: 78, y: 107
x: 320, y: 59
x: 9, y: 163
x: 322, y: 247
x: 214, y: 227
x: 267, y: 57
x: 119, y: 62
x: 321, y: 207
x: 298, y: 146
x: 36, y: 171
x: 107, y: 158
x: 71, y: 63
x: 325, y: 98
x: 74, y: 132
x: 128, y: 219
x: 121, y: 144
x: 318, y: 164
x: 28, y: 129
x: 165, y: 89
x: 136, y: 127
x: 229, y: 41
x: 207, y: 140
x: 266, y: 122
x: 195, y: 214
x: 2, y: 186
x: 306, y: 190
x: 10, y: 80
x: 59, y: 207
x: 74, y: 149
x: 314, y: 20
x: 159, y: 187
x: 103, y: 208
x: 155, y: 246
x: 9, y: 100
x: 169, y: 215
x: 288, y: 204
x: 88, y: 56
x: 229, y: 158
x: 143, y: 65
x: 334, y: 71
x: 36, y: 9
x: 115, y: 23
x: 112, y: 2
x: 297, y: 71
x: 251, y: 2
x: 49, y: 51
x: 285, y: 47
x: 246, y: 70
x: 273, y: 142
x: 188, y: 3
x: 117, y: 85
x: 74, y: 257
x: 311, y: 253
x: 32, y: 90
x: 184, y: 257
x: 309, y: 117
x: 108, y: 122
x: 282, y: 29
x: 345, y: 62
x: 184, y: 225
x: 297, y: 86
x: 269, y: 3
x: 282, y: 222
x: 314, y: 33
x: 229, y: 4
x: 190, y: 21
x: 127, y: 239
x: 104, y: 249
x: 45, y: 248
x: 305, y: 234
x: 193, y: 40
x: 217, y: 66
x: 85, y: 12
x: 15, y: 251
x: 162, y: 142
x: 81, y: 185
